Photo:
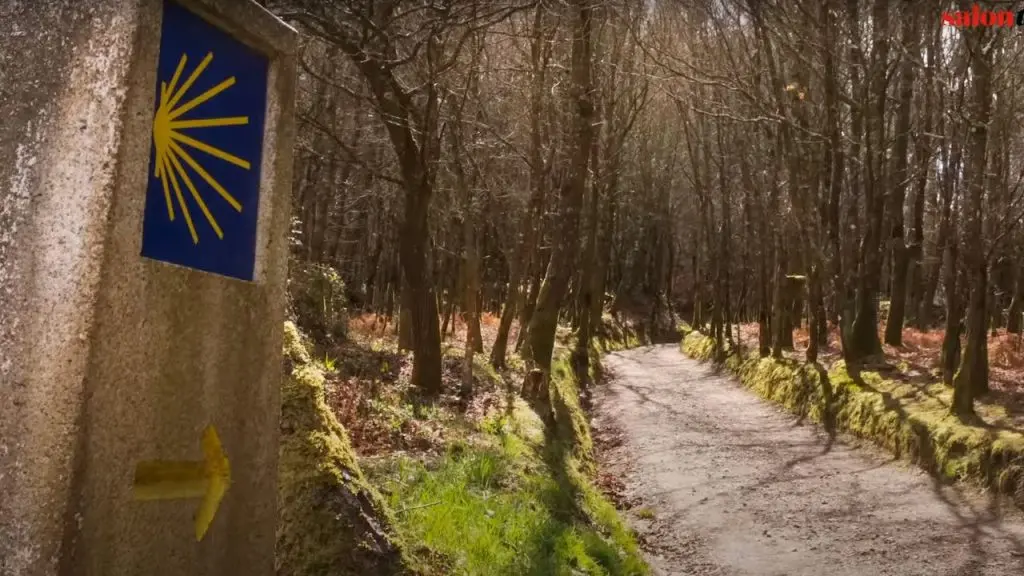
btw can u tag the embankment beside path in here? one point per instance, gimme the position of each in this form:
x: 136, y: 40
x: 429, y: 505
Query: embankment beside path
x: 911, y: 421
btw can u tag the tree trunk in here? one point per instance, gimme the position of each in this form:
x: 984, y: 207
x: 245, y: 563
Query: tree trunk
x: 470, y: 255
x: 446, y: 318
x: 950, y: 356
x: 471, y: 313
x: 413, y: 138
x: 532, y: 293
x: 763, y: 287
x: 780, y: 317
x: 815, y: 313
x: 1013, y: 313
x: 517, y: 298
x: 898, y: 298
x: 724, y: 257
x: 865, y: 341
x: 847, y: 239
x: 426, y: 340
x: 900, y: 256
x: 405, y: 331
x: 559, y: 270
x: 698, y: 282
x: 922, y: 154
x: 604, y: 253
x: 945, y: 236
x: 971, y: 379
x: 508, y: 314
x: 588, y: 280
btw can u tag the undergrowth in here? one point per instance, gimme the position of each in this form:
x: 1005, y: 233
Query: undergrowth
x: 377, y: 474
x: 331, y: 520
x: 512, y: 498
x: 492, y: 506
x: 910, y: 421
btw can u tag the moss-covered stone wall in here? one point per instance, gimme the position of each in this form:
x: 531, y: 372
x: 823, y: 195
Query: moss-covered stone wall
x: 331, y: 521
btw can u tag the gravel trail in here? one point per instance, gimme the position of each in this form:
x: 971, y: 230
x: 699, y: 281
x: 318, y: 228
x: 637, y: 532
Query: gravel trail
x: 738, y: 487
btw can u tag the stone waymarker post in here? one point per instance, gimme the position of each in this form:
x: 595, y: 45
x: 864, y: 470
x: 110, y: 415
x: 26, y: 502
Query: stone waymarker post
x: 145, y: 163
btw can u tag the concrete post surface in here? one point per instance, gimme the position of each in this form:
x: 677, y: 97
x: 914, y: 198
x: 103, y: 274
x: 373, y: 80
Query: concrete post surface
x: 108, y: 358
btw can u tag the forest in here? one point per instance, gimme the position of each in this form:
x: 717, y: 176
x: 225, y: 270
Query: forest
x: 509, y: 187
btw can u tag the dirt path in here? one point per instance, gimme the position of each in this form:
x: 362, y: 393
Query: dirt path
x: 738, y: 487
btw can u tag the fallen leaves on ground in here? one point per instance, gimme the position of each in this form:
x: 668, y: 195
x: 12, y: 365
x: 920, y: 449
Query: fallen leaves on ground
x: 371, y: 394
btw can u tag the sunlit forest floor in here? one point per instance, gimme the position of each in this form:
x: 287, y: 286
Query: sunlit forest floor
x: 370, y: 391
x: 476, y: 484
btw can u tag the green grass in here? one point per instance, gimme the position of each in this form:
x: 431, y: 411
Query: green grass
x: 911, y: 422
x: 569, y: 453
x: 508, y: 497
x: 493, y: 505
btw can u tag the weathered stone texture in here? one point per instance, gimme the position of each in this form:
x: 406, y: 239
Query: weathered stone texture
x: 107, y: 358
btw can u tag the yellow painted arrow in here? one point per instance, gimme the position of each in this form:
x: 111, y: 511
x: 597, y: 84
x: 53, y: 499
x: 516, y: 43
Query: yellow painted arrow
x: 170, y: 480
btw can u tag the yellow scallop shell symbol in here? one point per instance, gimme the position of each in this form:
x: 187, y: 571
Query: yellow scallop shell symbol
x: 170, y: 141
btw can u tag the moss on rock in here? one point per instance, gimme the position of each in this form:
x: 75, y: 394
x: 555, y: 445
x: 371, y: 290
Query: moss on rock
x: 571, y: 426
x: 295, y: 349
x: 892, y: 414
x: 331, y: 521
x: 570, y: 454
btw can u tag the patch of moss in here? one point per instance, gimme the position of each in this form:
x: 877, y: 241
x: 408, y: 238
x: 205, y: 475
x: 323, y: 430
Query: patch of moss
x: 513, y: 497
x: 295, y: 348
x: 572, y: 427
x: 570, y: 453
x: 331, y: 521
x: 913, y: 425
x: 493, y: 506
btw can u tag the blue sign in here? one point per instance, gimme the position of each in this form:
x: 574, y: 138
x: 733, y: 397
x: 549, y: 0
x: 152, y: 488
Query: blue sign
x: 202, y: 199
